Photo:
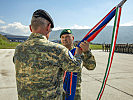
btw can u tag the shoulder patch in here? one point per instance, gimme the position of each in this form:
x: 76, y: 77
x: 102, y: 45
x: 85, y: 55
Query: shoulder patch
x: 70, y: 55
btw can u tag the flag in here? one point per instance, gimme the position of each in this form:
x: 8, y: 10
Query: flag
x: 112, y: 49
x: 97, y: 28
x: 116, y: 11
x: 69, y: 85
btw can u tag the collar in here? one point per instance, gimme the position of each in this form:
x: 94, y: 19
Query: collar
x: 72, y: 47
x: 37, y: 35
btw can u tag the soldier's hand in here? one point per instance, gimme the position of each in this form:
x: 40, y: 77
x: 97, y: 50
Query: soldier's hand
x: 78, y: 51
x: 84, y: 46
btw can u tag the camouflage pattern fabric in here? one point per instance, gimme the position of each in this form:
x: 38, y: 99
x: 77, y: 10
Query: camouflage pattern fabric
x: 40, y: 65
x: 89, y: 63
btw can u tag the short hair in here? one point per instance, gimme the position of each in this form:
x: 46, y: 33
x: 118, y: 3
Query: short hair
x: 38, y: 22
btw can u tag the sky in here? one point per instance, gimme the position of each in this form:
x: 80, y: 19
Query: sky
x: 15, y: 15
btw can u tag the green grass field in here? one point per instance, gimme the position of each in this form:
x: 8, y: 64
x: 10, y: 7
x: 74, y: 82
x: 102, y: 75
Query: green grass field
x: 12, y: 45
x: 95, y: 47
x: 6, y: 44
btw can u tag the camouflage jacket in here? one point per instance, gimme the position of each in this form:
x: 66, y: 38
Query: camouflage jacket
x: 40, y: 65
x: 89, y: 63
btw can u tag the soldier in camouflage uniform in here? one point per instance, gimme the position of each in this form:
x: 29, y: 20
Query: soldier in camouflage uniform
x: 40, y: 64
x: 87, y: 57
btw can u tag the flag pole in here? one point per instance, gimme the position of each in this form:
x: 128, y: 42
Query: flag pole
x: 114, y: 38
x: 121, y: 3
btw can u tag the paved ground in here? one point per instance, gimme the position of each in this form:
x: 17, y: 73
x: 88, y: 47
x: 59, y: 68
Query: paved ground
x: 119, y: 85
x: 120, y: 82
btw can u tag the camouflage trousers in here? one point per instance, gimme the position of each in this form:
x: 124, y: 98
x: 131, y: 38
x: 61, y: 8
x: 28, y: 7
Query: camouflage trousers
x: 39, y: 98
x: 77, y: 95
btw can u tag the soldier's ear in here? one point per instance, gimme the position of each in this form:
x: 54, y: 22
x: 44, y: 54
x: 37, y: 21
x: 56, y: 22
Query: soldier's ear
x: 30, y: 28
x: 49, y: 28
x: 73, y: 37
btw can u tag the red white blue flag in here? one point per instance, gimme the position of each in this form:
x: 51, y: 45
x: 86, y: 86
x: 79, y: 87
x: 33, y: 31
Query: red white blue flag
x: 112, y: 49
x: 68, y: 76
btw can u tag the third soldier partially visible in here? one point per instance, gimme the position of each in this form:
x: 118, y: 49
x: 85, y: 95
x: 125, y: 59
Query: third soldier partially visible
x: 88, y: 59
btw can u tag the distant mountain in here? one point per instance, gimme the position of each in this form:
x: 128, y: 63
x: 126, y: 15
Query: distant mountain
x: 78, y: 34
x: 125, y: 35
x: 3, y: 39
x: 3, y: 33
x: 13, y: 38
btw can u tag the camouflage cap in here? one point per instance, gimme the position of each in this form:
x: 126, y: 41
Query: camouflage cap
x: 45, y: 15
x: 66, y: 31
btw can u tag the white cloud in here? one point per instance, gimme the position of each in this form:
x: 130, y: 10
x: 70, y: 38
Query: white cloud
x: 127, y: 24
x: 80, y: 27
x: 57, y: 28
x: 73, y: 27
x: 2, y: 22
x: 16, y: 28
